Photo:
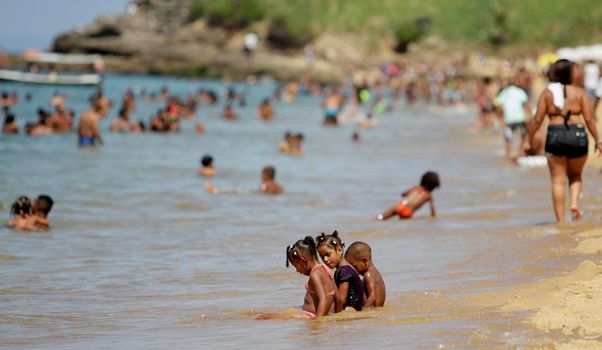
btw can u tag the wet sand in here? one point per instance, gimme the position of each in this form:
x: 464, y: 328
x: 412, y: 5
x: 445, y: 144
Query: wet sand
x: 564, y: 308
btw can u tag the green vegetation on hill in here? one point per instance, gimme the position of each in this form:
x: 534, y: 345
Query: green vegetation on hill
x: 497, y: 23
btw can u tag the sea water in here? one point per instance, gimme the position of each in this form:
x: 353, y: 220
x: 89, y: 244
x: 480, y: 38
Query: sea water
x: 139, y: 255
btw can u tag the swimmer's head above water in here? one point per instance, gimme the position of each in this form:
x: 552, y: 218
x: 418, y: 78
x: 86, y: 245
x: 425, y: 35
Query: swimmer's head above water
x: 301, y: 254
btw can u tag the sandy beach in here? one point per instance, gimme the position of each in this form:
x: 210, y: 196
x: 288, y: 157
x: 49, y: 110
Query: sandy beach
x: 564, y: 307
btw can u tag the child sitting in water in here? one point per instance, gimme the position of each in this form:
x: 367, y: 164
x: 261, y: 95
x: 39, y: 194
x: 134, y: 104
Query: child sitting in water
x: 321, y: 290
x: 207, y: 169
x: 415, y: 198
x: 359, y: 255
x: 347, y: 279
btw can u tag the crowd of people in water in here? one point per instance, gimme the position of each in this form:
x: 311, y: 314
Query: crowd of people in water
x: 504, y: 107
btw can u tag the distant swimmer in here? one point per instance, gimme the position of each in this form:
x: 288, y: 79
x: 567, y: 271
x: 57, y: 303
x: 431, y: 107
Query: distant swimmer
x: 320, y: 288
x: 332, y: 107
x: 26, y: 216
x: 10, y: 125
x: 88, y: 130
x: 268, y: 184
x: 123, y: 123
x: 207, y: 168
x: 265, y: 110
x: 41, y: 208
x: 415, y: 198
x: 359, y: 255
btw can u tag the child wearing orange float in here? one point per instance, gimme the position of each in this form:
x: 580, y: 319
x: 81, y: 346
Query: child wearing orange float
x: 415, y: 198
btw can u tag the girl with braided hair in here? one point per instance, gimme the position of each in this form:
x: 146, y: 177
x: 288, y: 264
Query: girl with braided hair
x: 321, y: 290
x: 350, y: 294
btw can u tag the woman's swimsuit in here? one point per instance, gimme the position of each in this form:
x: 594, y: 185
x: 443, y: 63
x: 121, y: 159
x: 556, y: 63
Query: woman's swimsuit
x: 310, y: 314
x: 568, y: 140
x: 355, y: 292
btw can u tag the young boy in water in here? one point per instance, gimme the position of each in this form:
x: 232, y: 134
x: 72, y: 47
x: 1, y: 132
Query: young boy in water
x: 207, y: 169
x: 41, y: 207
x: 359, y: 255
x: 415, y: 198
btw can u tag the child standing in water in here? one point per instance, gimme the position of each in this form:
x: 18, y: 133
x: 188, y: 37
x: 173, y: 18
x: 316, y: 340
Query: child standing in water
x: 321, y: 290
x: 415, y: 198
x: 359, y: 255
x: 347, y: 279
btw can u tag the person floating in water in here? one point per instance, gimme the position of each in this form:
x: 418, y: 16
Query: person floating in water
x: 415, y: 198
x: 268, y: 184
x: 321, y: 289
x: 359, y: 255
x: 207, y: 169
x: 350, y: 294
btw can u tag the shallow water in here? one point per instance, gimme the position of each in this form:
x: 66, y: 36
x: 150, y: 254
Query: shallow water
x: 139, y: 253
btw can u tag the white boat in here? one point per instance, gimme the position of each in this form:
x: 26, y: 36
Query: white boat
x: 54, y: 78
x: 50, y: 78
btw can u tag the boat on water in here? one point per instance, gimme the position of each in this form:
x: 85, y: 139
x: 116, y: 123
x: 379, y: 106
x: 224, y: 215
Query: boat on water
x: 33, y: 75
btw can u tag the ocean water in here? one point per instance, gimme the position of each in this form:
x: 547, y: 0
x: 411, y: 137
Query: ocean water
x: 140, y: 256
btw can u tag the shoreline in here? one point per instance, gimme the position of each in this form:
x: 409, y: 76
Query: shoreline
x: 565, y: 306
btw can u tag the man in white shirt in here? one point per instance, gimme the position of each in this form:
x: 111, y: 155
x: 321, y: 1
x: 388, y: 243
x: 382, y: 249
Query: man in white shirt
x: 514, y: 103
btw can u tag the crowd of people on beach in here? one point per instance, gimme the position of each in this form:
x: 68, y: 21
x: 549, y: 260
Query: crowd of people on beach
x: 504, y: 104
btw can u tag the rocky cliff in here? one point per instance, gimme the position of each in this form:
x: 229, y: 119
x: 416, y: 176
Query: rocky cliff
x: 158, y: 37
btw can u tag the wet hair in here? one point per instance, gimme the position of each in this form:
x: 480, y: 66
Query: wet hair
x: 430, y: 181
x: 270, y: 171
x: 123, y: 112
x: 45, y: 203
x: 358, y: 250
x: 333, y: 240
x: 287, y: 135
x: 207, y: 160
x: 21, y: 206
x: 561, y: 72
x: 306, y: 247
x: 8, y: 119
x: 300, y: 136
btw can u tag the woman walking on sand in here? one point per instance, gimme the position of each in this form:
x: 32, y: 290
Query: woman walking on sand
x: 566, y: 144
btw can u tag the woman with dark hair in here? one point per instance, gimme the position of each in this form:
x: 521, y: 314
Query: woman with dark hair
x: 566, y: 145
